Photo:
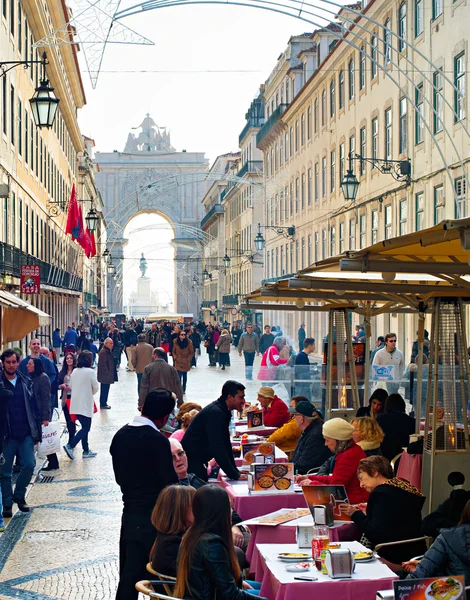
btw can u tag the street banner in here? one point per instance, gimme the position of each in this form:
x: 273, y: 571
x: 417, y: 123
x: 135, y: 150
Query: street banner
x: 30, y: 279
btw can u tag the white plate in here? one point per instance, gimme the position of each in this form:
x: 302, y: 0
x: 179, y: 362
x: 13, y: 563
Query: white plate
x: 363, y: 560
x: 294, y: 559
x: 298, y: 568
x: 429, y: 596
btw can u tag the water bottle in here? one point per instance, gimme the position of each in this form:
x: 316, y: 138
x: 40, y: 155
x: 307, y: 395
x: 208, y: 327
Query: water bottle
x: 269, y: 460
x: 233, y: 431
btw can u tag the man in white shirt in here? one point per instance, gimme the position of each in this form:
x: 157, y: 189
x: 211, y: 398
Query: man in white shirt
x: 391, y: 356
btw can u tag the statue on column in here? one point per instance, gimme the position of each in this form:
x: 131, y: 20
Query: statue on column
x: 143, y: 266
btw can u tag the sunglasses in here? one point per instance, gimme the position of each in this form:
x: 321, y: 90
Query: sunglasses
x: 393, y: 341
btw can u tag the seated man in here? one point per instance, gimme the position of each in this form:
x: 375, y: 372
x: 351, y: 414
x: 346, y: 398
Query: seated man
x: 241, y: 536
x: 287, y: 436
x: 275, y: 411
x: 311, y: 451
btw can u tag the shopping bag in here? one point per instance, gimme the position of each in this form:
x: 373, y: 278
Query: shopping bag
x: 281, y: 392
x: 50, y: 443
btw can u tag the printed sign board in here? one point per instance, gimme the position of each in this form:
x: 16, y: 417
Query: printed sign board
x: 30, y: 279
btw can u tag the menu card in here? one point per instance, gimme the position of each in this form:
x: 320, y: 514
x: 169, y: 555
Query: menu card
x: 432, y: 588
x: 277, y: 478
x: 267, y: 449
x: 255, y: 418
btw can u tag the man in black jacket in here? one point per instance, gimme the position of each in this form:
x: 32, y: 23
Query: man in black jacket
x: 266, y: 339
x: 208, y: 436
x: 143, y: 466
x: 311, y: 451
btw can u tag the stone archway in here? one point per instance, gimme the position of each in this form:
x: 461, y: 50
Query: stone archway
x: 150, y: 176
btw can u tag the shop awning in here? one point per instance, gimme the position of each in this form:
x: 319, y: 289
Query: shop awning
x: 19, y: 317
x: 163, y: 317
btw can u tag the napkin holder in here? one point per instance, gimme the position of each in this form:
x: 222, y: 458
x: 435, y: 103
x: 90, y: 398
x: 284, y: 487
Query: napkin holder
x: 339, y: 563
x: 385, y: 595
x: 260, y: 459
x: 304, y: 536
x: 323, y: 514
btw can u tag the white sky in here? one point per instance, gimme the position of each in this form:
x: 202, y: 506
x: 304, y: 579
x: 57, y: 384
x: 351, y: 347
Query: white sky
x: 204, y: 111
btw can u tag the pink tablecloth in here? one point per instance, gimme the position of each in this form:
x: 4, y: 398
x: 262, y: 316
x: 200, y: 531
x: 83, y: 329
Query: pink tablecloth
x: 261, y: 431
x: 285, y: 534
x: 410, y: 467
x: 281, y: 457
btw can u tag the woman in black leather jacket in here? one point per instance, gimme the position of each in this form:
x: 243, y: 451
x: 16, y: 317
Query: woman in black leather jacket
x: 207, y: 565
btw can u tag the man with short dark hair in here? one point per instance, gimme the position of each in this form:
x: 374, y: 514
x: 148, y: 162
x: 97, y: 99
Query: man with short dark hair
x: 208, y: 437
x: 143, y: 466
x: 141, y: 356
x: 35, y: 352
x: 266, y: 339
x: 379, y: 344
x: 390, y: 356
x: 302, y: 369
x: 301, y: 335
x: 249, y: 345
x: 159, y: 374
x: 153, y: 336
x: 311, y: 451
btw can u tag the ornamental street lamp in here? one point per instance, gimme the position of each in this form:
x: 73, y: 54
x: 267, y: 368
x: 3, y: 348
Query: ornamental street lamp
x: 260, y: 242
x: 206, y: 275
x: 106, y: 255
x: 226, y: 260
x: 92, y: 221
x: 110, y: 266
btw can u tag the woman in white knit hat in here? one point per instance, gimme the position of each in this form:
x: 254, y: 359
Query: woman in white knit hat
x: 338, y: 435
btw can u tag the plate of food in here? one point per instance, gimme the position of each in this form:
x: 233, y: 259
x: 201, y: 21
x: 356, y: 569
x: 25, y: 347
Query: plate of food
x: 364, y: 556
x: 294, y: 556
x: 299, y: 567
x: 443, y: 589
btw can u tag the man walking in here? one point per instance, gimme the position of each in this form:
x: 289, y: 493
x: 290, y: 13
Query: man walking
x: 143, y: 466
x: 159, y: 374
x: 130, y: 341
x: 141, y: 357
x: 301, y: 335
x: 379, y: 344
x: 208, y: 436
x: 302, y: 369
x: 153, y: 336
x: 25, y: 416
x: 390, y: 356
x: 35, y: 352
x: 70, y: 337
x: 266, y: 339
x: 106, y: 371
x: 249, y: 345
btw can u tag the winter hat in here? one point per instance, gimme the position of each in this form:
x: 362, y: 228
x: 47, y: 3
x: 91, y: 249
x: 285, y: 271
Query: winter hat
x: 338, y: 429
x: 266, y: 392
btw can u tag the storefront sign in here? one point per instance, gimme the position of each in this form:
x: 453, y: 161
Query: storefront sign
x: 30, y: 279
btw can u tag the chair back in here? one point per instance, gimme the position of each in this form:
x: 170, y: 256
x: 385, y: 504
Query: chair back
x: 166, y: 581
x: 145, y: 587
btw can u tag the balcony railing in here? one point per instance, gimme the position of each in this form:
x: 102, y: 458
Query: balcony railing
x: 273, y: 119
x: 12, y: 258
x: 217, y: 209
x: 230, y: 299
x: 251, y: 166
x: 90, y: 298
x: 251, y: 124
x: 208, y: 303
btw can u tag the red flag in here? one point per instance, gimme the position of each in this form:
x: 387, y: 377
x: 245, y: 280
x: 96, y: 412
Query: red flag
x: 83, y: 237
x: 93, y: 244
x: 73, y: 215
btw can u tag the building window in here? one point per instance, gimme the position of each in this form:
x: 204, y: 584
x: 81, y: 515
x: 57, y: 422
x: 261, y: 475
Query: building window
x: 316, y: 247
x: 4, y: 105
x: 316, y: 182
x: 419, y: 113
x: 323, y: 108
x: 375, y: 139
x: 362, y: 231
x: 439, y: 204
x: 375, y: 226
x: 297, y: 194
x: 315, y: 115
x: 282, y: 261
x: 302, y: 254
x: 12, y: 114
x: 332, y: 170
x: 6, y: 225
x: 341, y: 162
x: 362, y: 69
x: 352, y: 234
x: 341, y: 237
x: 387, y: 42
x: 333, y: 241
x: 309, y: 250
x: 309, y: 186
x: 388, y: 221
x: 309, y: 123
x: 26, y: 137
x: 460, y: 198
x: 323, y: 177
x: 323, y: 244
x: 436, y: 8
x: 419, y: 20
x: 351, y: 75
x: 438, y: 101
x: 403, y: 125
x: 286, y: 204
x: 373, y: 57
x: 341, y: 89
x: 281, y: 151
x: 362, y: 149
x: 332, y: 98
x: 12, y: 17
x: 302, y: 129
x: 459, y: 82
x: 286, y: 144
x: 20, y: 127
x: 419, y: 210
x: 297, y: 135
x: 302, y: 192
x: 402, y: 26
x: 388, y: 134
x: 403, y: 217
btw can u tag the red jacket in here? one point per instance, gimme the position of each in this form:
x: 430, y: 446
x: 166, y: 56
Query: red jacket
x: 277, y: 414
x: 345, y: 473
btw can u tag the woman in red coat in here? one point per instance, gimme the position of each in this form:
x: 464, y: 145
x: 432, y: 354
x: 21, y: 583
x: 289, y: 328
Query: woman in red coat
x: 343, y: 468
x: 275, y: 411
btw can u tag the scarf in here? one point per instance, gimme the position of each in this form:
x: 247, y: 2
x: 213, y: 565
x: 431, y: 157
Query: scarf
x: 182, y: 343
x: 403, y: 485
x: 365, y: 445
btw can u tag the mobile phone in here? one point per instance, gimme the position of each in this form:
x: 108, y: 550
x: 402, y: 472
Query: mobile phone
x: 306, y: 578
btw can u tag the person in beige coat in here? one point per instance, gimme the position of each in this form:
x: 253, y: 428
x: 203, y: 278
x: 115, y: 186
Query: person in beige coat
x: 223, y: 346
x: 159, y: 374
x: 141, y: 357
x: 182, y: 353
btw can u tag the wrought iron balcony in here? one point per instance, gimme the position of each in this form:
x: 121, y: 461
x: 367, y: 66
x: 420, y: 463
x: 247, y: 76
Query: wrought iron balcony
x: 217, y: 209
x: 230, y: 299
x: 252, y: 123
x: 12, y: 258
x: 251, y: 166
x: 270, y: 126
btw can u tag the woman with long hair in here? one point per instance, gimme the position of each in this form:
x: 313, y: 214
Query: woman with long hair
x: 186, y: 420
x: 65, y: 375
x: 368, y: 435
x: 182, y: 353
x: 207, y: 564
x: 171, y: 517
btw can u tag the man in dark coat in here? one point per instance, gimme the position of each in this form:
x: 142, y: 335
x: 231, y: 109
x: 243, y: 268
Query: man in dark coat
x: 266, y: 339
x: 106, y: 371
x: 159, y: 374
x: 143, y: 466
x: 208, y: 437
x: 311, y: 451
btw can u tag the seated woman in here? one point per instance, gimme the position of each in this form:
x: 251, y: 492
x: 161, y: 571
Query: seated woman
x: 171, y: 517
x: 393, y: 511
x: 207, y: 566
x: 338, y: 435
x: 376, y: 404
x: 396, y: 425
x: 368, y: 435
x: 287, y: 436
x: 449, y: 555
x: 185, y: 422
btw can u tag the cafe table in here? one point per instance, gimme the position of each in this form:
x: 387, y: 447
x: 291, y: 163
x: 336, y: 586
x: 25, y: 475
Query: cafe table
x: 279, y: 584
x: 262, y: 430
x: 279, y: 456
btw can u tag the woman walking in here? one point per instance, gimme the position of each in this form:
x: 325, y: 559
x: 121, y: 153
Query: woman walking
x: 84, y: 386
x: 196, y: 339
x: 107, y: 373
x: 183, y: 352
x: 70, y: 363
x: 223, y: 346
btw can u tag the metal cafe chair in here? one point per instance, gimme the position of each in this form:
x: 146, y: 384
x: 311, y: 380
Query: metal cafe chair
x: 167, y: 581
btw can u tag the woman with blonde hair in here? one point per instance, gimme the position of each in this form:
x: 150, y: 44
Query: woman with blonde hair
x: 171, y: 517
x: 185, y: 421
x: 223, y: 346
x: 185, y: 408
x: 368, y: 435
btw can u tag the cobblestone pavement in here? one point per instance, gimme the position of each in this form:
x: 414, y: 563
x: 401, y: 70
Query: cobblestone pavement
x: 66, y: 547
